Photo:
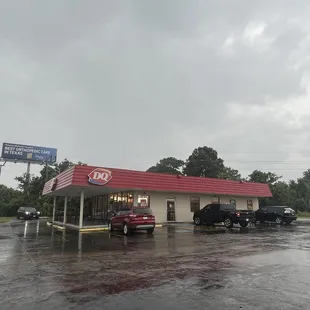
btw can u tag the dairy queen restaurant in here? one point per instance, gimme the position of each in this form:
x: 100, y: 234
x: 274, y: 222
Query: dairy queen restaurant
x: 172, y: 198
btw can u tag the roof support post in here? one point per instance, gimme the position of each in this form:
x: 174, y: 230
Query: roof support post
x: 54, y: 210
x: 65, y: 210
x: 81, y: 208
x: 80, y: 241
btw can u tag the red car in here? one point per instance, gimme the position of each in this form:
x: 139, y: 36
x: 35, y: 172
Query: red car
x: 137, y: 218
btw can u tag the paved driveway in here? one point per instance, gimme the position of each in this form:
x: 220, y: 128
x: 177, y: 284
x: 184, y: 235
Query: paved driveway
x: 180, y: 267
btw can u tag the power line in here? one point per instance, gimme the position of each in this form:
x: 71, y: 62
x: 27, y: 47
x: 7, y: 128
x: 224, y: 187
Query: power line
x: 271, y: 169
x: 257, y: 152
x: 277, y: 162
x: 269, y: 162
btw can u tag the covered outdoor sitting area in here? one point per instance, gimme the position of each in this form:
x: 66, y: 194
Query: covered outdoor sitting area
x: 84, y: 207
x: 87, y: 210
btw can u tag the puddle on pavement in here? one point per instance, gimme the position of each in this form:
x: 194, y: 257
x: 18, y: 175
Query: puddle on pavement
x: 167, y: 271
x: 5, y: 237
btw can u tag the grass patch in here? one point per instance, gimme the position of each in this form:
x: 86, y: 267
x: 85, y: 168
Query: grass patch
x: 303, y: 214
x: 5, y: 219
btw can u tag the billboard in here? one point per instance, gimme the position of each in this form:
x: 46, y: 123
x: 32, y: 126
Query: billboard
x: 28, y: 153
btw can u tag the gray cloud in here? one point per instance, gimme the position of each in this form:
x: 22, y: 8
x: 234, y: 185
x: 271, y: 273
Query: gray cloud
x: 124, y: 83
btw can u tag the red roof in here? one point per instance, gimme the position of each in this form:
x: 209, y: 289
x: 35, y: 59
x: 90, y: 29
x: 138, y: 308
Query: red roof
x: 77, y: 176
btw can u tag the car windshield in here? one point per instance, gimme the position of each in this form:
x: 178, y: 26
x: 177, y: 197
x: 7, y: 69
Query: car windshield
x: 228, y: 207
x: 142, y: 211
x: 122, y: 212
x: 29, y: 209
x: 288, y: 210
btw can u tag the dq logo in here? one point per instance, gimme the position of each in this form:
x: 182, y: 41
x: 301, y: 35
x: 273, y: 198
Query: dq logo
x: 100, y: 176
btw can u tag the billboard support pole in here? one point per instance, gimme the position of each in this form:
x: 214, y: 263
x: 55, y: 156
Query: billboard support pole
x: 28, y: 169
x: 28, y: 176
x: 2, y: 165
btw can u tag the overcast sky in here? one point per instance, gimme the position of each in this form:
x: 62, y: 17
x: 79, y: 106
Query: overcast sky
x: 126, y: 83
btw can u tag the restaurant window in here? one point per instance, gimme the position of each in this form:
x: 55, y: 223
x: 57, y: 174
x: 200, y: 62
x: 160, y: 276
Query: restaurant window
x: 233, y: 202
x: 215, y: 199
x: 144, y: 201
x: 249, y: 204
x: 120, y: 200
x: 194, y: 203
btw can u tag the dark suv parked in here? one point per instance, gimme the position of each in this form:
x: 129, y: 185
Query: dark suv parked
x: 277, y: 214
x: 221, y: 212
x: 27, y: 213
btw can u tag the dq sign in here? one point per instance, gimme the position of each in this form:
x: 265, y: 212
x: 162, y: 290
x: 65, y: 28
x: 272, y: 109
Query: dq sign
x: 100, y: 176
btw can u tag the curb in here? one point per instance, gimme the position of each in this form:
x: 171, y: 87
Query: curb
x: 55, y: 226
x: 95, y: 229
x: 106, y: 228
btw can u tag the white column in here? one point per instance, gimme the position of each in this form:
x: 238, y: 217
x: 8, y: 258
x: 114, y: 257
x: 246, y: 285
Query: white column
x: 65, y: 210
x: 80, y: 242
x: 63, y: 240
x: 81, y: 208
x: 54, y: 210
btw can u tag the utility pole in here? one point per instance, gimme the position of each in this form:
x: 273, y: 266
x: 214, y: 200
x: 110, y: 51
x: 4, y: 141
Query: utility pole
x: 46, y: 171
x: 2, y: 165
x: 46, y: 167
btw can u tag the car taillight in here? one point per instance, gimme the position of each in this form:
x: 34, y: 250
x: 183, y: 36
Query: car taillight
x: 238, y: 214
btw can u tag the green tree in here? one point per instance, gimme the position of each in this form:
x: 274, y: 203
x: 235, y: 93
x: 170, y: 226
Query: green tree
x: 272, y: 180
x: 301, y: 188
x: 204, y: 162
x: 263, y: 177
x: 282, y: 194
x: 229, y: 173
x: 10, y: 200
x: 170, y: 165
x: 63, y: 166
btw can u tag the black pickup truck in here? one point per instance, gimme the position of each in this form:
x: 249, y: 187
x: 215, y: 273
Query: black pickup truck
x: 223, y: 213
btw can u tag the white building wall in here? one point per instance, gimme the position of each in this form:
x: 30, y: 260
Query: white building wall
x: 158, y: 203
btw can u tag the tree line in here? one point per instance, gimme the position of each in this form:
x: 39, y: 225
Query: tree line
x: 203, y: 162
x: 29, y: 191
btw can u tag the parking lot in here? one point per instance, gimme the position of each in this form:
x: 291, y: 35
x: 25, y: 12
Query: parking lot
x: 179, y: 267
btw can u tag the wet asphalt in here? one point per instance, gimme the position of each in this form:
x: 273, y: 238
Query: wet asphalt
x: 179, y: 267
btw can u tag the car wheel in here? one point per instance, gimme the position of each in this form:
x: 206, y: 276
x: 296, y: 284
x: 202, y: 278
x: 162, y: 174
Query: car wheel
x: 126, y: 230
x: 197, y: 221
x: 110, y: 227
x: 150, y: 231
x: 243, y: 224
x: 228, y: 223
x: 279, y: 221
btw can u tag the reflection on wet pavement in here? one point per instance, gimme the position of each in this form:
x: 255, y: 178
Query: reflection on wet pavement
x: 182, y: 267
